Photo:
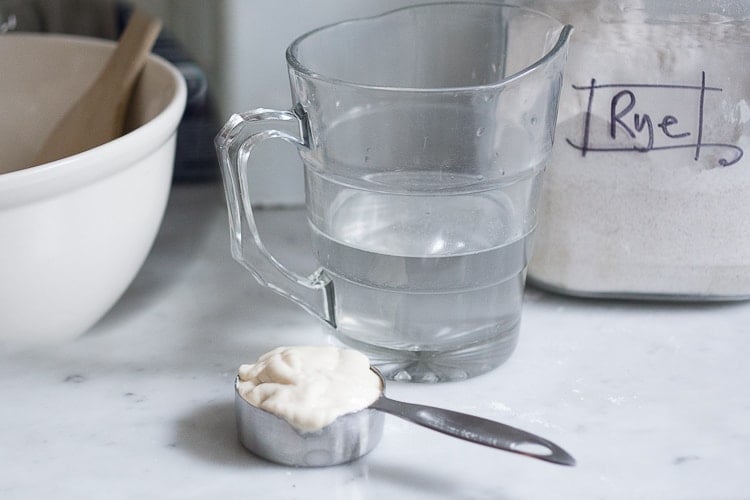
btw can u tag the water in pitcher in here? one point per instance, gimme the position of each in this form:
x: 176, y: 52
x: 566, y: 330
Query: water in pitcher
x: 433, y: 281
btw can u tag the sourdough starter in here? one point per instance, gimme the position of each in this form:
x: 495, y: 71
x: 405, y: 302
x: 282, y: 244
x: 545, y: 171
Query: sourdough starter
x: 310, y: 386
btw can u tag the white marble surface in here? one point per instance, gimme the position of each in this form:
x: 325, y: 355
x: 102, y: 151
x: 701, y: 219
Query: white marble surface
x: 652, y: 400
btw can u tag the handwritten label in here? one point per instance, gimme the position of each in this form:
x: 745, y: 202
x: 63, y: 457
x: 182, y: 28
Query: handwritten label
x: 645, y: 118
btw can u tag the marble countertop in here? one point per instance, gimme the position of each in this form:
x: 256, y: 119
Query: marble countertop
x: 651, y: 399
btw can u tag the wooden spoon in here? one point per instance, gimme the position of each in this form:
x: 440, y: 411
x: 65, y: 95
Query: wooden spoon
x: 99, y: 114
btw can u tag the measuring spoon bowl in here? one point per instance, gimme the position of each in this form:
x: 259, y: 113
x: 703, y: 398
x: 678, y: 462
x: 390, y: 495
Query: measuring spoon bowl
x: 271, y: 437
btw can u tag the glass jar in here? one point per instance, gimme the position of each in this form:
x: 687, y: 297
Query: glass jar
x: 647, y: 194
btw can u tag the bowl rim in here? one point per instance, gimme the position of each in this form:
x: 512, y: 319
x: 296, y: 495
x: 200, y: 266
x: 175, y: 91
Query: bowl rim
x: 56, y: 177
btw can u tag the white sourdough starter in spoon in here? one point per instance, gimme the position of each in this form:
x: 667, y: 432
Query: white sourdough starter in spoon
x: 310, y: 386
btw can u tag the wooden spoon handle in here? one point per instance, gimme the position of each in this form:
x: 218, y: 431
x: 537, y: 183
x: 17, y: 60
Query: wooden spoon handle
x: 99, y: 114
x: 130, y: 55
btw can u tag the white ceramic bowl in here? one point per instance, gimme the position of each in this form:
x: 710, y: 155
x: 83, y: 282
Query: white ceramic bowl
x: 74, y: 232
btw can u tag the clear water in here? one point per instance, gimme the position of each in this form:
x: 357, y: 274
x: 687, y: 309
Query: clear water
x: 429, y: 286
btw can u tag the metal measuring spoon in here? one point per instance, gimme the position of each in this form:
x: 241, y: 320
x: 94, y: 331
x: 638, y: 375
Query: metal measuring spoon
x: 356, y: 434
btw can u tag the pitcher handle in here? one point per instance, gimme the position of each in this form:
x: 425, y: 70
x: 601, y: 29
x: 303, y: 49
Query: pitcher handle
x: 234, y: 143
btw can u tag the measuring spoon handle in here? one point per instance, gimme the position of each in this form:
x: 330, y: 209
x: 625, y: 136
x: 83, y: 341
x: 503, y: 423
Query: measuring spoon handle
x: 477, y: 430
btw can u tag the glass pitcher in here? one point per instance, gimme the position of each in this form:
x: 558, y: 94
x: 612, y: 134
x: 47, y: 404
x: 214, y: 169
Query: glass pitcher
x: 424, y: 133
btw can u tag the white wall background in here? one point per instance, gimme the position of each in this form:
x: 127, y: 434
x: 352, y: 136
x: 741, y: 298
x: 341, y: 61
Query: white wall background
x: 241, y: 45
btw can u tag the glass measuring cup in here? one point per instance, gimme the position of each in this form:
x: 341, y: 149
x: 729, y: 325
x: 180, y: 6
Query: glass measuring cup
x: 423, y: 133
